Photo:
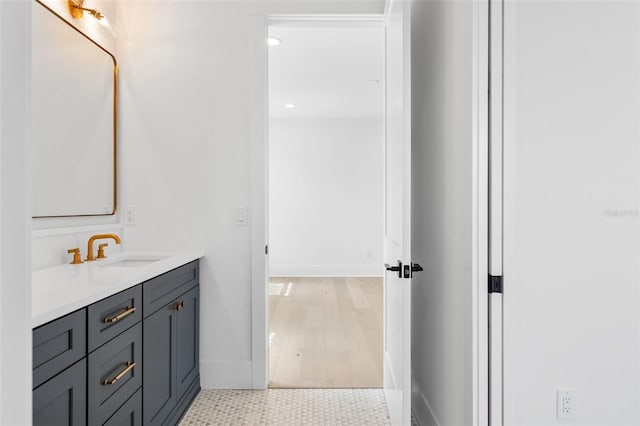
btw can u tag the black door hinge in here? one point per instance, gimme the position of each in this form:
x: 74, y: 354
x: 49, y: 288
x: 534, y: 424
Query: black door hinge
x: 266, y: 249
x: 495, y: 283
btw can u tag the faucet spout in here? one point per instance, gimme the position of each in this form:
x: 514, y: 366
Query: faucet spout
x: 93, y: 238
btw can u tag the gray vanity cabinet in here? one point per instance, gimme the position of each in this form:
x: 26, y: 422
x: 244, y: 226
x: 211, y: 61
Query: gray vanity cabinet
x: 171, y: 345
x: 60, y: 371
x: 61, y: 401
x: 129, y: 359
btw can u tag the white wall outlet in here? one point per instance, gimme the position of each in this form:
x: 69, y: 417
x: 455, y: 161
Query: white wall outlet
x: 240, y: 216
x: 566, y: 403
x: 129, y: 215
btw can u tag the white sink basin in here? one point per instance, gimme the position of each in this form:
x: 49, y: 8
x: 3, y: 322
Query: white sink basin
x: 131, y: 262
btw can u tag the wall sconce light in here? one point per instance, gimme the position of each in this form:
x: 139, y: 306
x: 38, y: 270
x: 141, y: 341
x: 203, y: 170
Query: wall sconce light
x: 77, y: 9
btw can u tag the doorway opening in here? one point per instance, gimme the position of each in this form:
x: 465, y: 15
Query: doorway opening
x: 325, y: 203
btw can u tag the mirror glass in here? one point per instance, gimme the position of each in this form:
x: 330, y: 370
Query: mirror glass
x: 74, y: 120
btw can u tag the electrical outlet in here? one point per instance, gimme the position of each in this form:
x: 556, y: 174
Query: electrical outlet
x: 566, y: 403
x: 130, y: 215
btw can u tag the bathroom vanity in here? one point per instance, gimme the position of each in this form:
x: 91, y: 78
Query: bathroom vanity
x: 116, y: 342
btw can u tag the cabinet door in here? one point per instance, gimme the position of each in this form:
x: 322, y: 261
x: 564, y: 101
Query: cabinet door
x: 62, y: 400
x: 188, y: 340
x: 130, y: 414
x: 159, y: 359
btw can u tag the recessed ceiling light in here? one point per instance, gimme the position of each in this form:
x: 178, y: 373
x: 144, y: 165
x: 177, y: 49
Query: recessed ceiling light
x: 289, y: 105
x: 274, y: 41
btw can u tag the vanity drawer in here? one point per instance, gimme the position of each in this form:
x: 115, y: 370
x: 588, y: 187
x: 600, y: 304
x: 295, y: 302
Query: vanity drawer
x: 57, y: 345
x: 114, y: 374
x: 130, y: 414
x: 161, y: 290
x: 113, y: 315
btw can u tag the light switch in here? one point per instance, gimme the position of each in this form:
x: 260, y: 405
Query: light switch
x: 240, y: 216
x: 129, y: 215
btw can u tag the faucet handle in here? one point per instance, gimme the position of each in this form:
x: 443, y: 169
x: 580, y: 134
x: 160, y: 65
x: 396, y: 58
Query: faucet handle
x: 101, y: 251
x: 76, y: 256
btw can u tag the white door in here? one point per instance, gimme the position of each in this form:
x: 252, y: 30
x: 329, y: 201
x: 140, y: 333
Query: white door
x: 397, y: 227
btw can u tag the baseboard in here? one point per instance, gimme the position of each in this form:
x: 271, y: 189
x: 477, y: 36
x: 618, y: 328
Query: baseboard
x: 420, y: 406
x: 325, y: 270
x: 226, y: 374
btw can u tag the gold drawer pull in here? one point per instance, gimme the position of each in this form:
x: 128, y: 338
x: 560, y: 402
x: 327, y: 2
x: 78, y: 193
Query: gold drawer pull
x: 179, y: 306
x: 128, y: 311
x: 130, y: 366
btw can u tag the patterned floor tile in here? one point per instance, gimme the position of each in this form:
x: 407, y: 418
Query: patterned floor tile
x: 288, y: 407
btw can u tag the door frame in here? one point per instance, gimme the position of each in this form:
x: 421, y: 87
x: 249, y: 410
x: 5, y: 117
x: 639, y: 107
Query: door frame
x: 259, y: 164
x: 258, y: 151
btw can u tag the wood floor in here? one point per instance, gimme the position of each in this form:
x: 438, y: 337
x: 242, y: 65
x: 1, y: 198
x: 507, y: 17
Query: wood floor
x: 325, y: 332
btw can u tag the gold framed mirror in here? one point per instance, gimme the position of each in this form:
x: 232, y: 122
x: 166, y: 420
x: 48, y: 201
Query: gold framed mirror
x: 75, y: 120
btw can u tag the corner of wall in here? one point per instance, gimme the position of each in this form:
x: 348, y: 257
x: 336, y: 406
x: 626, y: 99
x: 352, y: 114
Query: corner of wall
x: 420, y: 406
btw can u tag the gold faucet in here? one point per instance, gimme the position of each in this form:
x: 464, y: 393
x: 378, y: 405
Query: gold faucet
x: 99, y: 237
x: 76, y: 256
x: 101, y: 251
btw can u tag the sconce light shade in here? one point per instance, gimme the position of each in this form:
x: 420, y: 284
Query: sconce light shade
x: 77, y: 9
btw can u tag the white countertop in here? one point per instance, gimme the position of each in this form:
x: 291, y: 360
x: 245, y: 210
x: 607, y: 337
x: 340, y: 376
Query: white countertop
x: 59, y: 290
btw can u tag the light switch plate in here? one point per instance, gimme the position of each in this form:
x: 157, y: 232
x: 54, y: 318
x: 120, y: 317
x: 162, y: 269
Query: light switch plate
x: 240, y: 216
x: 130, y: 215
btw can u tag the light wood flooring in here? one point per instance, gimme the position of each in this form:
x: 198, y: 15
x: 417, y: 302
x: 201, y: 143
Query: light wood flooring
x: 325, y: 332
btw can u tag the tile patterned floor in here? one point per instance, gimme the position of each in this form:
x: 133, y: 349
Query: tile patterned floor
x: 288, y: 407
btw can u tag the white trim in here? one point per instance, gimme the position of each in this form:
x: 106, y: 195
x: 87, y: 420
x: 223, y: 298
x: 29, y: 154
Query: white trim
x: 47, y: 223
x: 496, y: 140
x: 226, y: 374
x: 420, y: 406
x: 53, y: 232
x: 496, y: 196
x: 15, y: 225
x: 259, y: 131
x: 481, y: 213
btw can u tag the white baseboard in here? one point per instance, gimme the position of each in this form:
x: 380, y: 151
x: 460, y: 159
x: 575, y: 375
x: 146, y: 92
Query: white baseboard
x: 420, y: 406
x: 326, y: 271
x: 225, y: 374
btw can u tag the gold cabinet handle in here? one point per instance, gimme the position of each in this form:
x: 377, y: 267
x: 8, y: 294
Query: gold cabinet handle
x: 128, y: 311
x: 179, y: 306
x: 130, y: 366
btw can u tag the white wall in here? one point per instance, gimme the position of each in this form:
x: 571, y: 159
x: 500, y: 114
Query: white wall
x: 185, y: 98
x: 443, y: 138
x: 572, y: 185
x: 15, y: 277
x: 325, y: 197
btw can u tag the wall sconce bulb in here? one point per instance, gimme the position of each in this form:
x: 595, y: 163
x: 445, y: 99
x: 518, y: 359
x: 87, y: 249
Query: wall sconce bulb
x: 77, y: 9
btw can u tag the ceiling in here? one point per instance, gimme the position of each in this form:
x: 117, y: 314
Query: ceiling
x: 326, y: 71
